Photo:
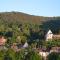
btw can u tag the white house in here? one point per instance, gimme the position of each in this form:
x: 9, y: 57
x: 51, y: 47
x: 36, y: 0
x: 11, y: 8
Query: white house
x: 44, y: 54
x: 49, y: 35
x: 25, y: 45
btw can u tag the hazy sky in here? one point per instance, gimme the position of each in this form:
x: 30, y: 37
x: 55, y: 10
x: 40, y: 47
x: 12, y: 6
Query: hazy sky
x: 34, y: 7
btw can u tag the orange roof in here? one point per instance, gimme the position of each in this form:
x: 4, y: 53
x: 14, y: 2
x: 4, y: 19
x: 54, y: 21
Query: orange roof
x: 56, y: 36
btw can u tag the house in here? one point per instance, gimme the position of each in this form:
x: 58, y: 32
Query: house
x: 44, y: 54
x: 25, y: 45
x: 2, y: 40
x: 17, y: 47
x: 55, y: 49
x: 50, y: 36
x: 2, y: 43
x: 56, y: 36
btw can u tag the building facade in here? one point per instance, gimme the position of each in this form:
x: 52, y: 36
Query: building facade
x: 50, y: 36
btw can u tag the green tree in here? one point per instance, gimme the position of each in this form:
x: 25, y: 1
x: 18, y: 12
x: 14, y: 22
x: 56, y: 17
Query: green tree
x: 20, y: 55
x: 2, y: 53
x: 54, y: 56
x: 23, y: 39
x: 10, y: 55
x: 33, y: 56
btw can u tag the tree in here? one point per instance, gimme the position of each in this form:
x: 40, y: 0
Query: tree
x: 59, y: 57
x: 54, y: 56
x: 20, y: 55
x: 52, y: 43
x: 10, y: 55
x: 2, y: 53
x: 23, y: 39
x: 33, y: 56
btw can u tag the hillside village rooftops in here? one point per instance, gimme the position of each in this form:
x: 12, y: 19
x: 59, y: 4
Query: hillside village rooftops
x: 55, y: 49
x: 17, y: 47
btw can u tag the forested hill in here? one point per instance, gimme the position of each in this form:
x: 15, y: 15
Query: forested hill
x: 10, y: 18
x: 34, y: 26
x: 24, y: 18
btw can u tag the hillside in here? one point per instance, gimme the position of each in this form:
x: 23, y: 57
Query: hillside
x: 22, y: 17
x: 52, y: 23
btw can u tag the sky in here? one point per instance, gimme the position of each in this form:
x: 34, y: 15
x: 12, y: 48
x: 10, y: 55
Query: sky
x: 33, y: 7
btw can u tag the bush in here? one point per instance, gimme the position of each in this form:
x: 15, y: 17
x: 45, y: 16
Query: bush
x: 54, y: 56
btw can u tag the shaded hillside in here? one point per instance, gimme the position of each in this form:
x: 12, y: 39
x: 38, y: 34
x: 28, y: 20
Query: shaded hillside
x: 54, y: 25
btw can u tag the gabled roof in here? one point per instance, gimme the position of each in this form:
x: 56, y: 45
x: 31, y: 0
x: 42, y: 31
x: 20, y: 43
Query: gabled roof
x: 25, y: 45
x: 49, y: 32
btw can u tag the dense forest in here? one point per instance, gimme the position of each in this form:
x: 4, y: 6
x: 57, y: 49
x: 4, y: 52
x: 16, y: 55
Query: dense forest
x: 19, y: 28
